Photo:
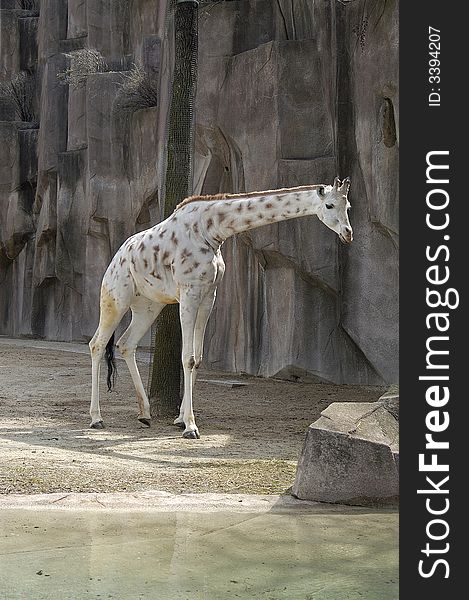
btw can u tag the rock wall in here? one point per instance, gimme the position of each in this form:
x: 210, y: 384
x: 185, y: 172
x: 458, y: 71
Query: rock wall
x: 290, y: 92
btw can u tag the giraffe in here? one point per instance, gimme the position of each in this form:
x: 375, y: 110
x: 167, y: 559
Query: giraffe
x: 179, y: 260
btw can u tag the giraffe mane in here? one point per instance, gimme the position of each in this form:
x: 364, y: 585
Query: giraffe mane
x: 228, y: 197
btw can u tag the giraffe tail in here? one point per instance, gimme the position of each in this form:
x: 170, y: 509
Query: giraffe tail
x: 111, y: 364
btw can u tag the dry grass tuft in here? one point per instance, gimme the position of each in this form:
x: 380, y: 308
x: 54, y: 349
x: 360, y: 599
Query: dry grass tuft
x: 83, y: 63
x: 21, y: 91
x: 139, y: 90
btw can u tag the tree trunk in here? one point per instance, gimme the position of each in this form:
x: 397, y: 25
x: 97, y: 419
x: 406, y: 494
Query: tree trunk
x: 165, y: 386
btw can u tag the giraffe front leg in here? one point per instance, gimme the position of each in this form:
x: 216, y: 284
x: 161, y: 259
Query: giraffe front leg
x: 203, y: 314
x: 179, y: 420
x: 191, y: 430
x: 189, y: 307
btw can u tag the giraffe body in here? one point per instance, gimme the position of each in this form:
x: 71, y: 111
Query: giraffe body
x: 158, y: 264
x: 179, y: 260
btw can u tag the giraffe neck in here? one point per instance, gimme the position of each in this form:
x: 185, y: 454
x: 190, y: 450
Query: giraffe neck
x: 224, y: 218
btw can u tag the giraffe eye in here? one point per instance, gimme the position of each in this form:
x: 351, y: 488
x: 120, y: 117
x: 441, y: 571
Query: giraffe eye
x: 329, y: 206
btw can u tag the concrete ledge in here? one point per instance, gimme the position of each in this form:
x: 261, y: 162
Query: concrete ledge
x: 155, y: 501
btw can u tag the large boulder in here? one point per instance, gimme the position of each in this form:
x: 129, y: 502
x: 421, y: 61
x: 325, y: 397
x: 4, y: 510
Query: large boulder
x: 351, y: 454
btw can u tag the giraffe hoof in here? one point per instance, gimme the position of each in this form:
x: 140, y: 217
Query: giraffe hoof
x: 97, y: 425
x: 191, y: 435
x: 145, y: 421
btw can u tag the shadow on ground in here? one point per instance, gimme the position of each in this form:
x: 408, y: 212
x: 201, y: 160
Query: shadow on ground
x: 251, y: 435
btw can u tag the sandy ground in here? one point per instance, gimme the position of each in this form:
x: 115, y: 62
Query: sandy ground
x: 251, y: 435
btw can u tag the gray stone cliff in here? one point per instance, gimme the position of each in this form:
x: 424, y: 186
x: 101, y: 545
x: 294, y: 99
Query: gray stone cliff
x: 290, y: 92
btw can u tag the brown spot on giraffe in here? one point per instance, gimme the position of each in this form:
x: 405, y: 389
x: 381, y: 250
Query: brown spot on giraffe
x: 122, y: 260
x: 269, y: 205
x: 209, y: 223
x: 162, y: 233
x: 248, y: 221
x: 141, y: 247
x: 204, y: 250
x: 165, y: 255
x: 195, y: 227
x: 150, y: 236
x: 239, y: 208
x: 145, y: 263
x: 174, y: 239
x: 187, y: 271
x: 195, y: 265
x: 185, y: 254
x: 140, y: 404
x: 221, y: 217
x: 156, y: 248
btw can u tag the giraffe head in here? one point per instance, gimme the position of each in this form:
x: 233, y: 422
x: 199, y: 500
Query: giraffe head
x: 333, y: 211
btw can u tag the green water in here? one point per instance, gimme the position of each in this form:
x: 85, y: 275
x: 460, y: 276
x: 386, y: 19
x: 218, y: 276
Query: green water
x: 77, y: 554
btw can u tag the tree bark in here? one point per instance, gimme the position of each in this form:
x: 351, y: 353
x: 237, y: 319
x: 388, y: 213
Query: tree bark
x: 165, y: 386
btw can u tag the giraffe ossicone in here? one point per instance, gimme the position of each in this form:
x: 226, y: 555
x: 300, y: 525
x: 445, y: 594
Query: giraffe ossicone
x: 179, y: 260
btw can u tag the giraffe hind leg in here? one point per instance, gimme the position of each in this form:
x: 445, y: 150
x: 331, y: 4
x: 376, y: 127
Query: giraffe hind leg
x: 144, y: 312
x: 111, y: 313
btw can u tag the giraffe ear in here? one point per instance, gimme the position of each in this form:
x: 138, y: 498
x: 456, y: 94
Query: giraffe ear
x: 345, y: 184
x: 336, y: 184
x: 321, y: 190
